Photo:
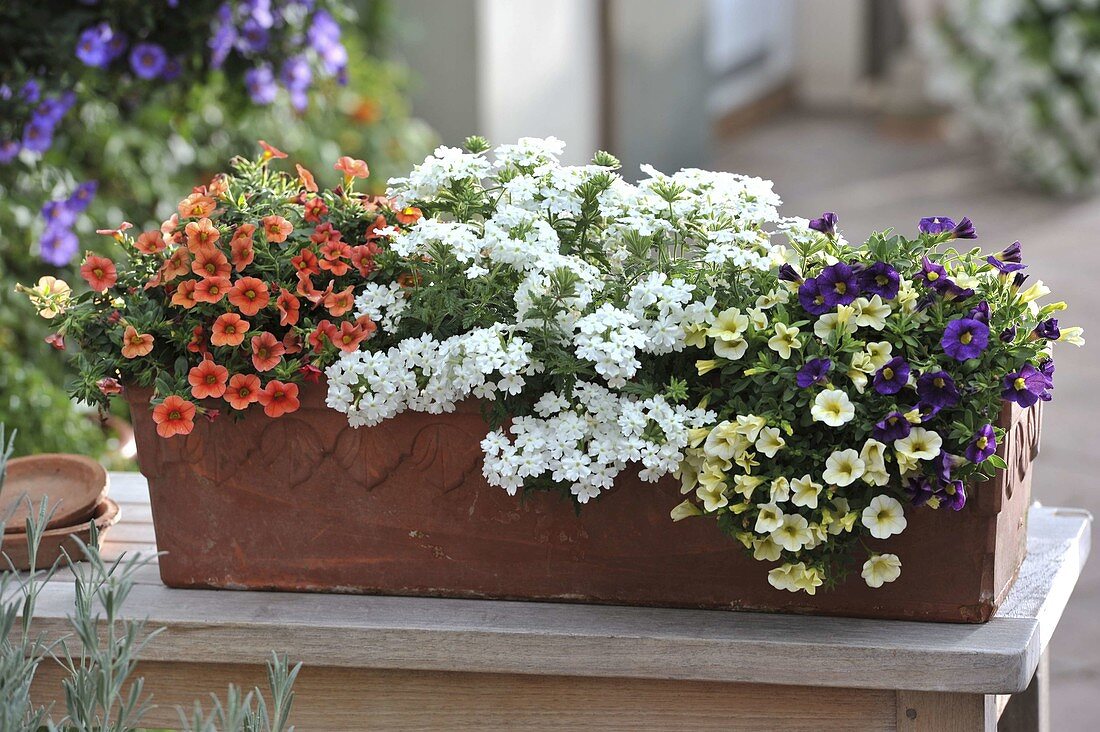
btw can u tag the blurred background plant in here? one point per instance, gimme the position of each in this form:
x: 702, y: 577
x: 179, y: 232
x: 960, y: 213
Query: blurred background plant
x: 91, y: 135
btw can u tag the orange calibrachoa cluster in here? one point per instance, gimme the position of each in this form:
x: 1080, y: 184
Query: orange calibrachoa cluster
x: 244, y: 292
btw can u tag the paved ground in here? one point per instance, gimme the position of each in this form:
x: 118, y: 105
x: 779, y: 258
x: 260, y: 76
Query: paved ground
x: 874, y: 181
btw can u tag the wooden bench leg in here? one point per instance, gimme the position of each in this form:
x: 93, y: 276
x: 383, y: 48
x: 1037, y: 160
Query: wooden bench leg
x: 933, y: 711
x: 1029, y: 711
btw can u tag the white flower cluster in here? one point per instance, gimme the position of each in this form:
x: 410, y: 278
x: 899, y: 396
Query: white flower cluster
x: 587, y: 441
x: 1027, y: 74
x: 426, y: 375
x: 381, y: 303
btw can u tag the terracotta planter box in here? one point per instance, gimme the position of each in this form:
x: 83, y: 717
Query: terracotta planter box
x: 305, y: 503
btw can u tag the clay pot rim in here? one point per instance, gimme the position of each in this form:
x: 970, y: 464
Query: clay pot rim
x: 105, y: 514
x: 99, y: 477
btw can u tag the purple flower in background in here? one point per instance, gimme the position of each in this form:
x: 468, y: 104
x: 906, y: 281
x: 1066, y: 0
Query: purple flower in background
x: 259, y: 11
x: 1009, y: 260
x: 931, y: 274
x: 83, y: 195
x: 1027, y: 386
x: 58, y: 246
x: 816, y: 371
x: 919, y: 490
x: 1008, y: 334
x: 253, y: 37
x: 937, y: 388
x: 1047, y: 368
x: 116, y: 45
x: 826, y: 224
x: 221, y: 43
x: 787, y: 273
x: 173, y: 69
x: 811, y: 298
x: 880, y: 279
x: 38, y: 135
x: 838, y: 284
x: 92, y: 46
x: 965, y: 338
x: 1018, y: 280
x: 892, y: 377
x: 261, y: 84
x: 295, y: 73
x: 31, y: 92
x: 937, y: 225
x: 980, y: 312
x: 148, y: 60
x: 982, y: 444
x: 1048, y: 329
x: 952, y: 495
x: 8, y: 150
x: 894, y: 426
x: 58, y: 214
x: 952, y: 291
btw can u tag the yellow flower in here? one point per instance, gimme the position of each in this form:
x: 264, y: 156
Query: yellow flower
x: 832, y: 407
x: 731, y: 349
x: 806, y: 491
x: 1074, y: 335
x: 707, y: 365
x: 750, y: 425
x: 746, y: 484
x: 873, y: 456
x: 809, y: 580
x: 725, y: 441
x: 884, y: 517
x: 728, y: 325
x: 770, y: 442
x: 793, y: 533
x: 843, y: 468
x: 860, y: 370
x: 1034, y: 292
x: 711, y: 490
x: 758, y: 319
x: 784, y: 340
x: 880, y: 569
x: 871, y: 313
x: 784, y: 577
x: 684, y: 510
x: 921, y: 444
x: 769, y: 519
x: 765, y: 549
x: 695, y: 335
x: 773, y: 298
x: 880, y: 353
x: 780, y: 490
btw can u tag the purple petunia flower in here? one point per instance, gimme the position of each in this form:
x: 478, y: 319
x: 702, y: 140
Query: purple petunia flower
x: 826, y: 224
x: 965, y: 338
x: 261, y: 84
x: 58, y: 246
x: 1027, y: 386
x: 1008, y: 334
x: 148, y: 60
x: 8, y: 150
x: 252, y: 38
x: 931, y: 274
x: 83, y: 195
x: 1048, y: 329
x: 838, y: 284
x: 982, y: 444
x: 894, y: 426
x: 92, y: 47
x: 295, y: 73
x: 1009, y: 260
x: 811, y: 298
x: 173, y: 69
x: 937, y: 225
x: 37, y: 135
x: 1046, y: 366
x: 880, y: 279
x: 892, y: 377
x: 952, y: 291
x: 980, y: 312
x: 919, y: 490
x: 937, y: 388
x: 31, y: 92
x: 787, y: 273
x: 952, y: 495
x: 1018, y: 281
x: 816, y: 371
x: 221, y: 43
x: 59, y: 214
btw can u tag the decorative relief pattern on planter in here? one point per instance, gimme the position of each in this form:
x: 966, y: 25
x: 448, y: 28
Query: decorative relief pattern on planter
x: 307, y: 503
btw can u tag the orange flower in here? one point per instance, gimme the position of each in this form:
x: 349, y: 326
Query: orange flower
x: 349, y: 336
x: 276, y: 228
x: 408, y: 279
x: 240, y: 246
x: 267, y: 351
x: 218, y: 186
x: 228, y: 330
x: 362, y: 258
x: 174, y: 416
x: 207, y: 380
x: 249, y: 295
x: 279, y: 398
x: 338, y: 303
x: 109, y: 386
x: 212, y: 289
x: 210, y: 263
x: 99, y: 272
x: 324, y: 329
x: 150, y: 242
x: 351, y: 168
x: 197, y: 344
x: 288, y: 306
x: 315, y: 208
x: 311, y: 293
x: 243, y: 389
x: 292, y: 342
x: 116, y: 233
x: 325, y: 233
x: 176, y: 265
x: 305, y: 263
x: 201, y: 235
x: 184, y: 296
x: 372, y: 230
x: 307, y: 179
x: 408, y: 215
x: 271, y: 152
x: 196, y: 206
x: 136, y: 344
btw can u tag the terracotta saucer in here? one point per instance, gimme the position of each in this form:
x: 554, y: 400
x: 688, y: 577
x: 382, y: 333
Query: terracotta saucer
x: 105, y: 514
x: 73, y: 483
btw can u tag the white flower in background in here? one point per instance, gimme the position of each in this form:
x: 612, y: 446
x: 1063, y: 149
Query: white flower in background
x: 884, y: 517
x: 806, y: 491
x: 784, y: 341
x: 381, y: 303
x: 833, y: 407
x: 780, y: 490
x: 768, y: 519
x: 793, y: 533
x: 920, y: 444
x: 685, y: 510
x: 880, y: 569
x: 785, y: 577
x: 769, y: 442
x: 843, y: 468
x: 765, y: 549
x: 728, y: 334
x: 873, y: 313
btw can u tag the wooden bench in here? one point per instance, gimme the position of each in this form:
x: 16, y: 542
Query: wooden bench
x: 398, y: 663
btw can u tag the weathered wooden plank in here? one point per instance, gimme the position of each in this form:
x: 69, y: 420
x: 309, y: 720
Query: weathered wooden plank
x: 926, y: 711
x: 347, y: 699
